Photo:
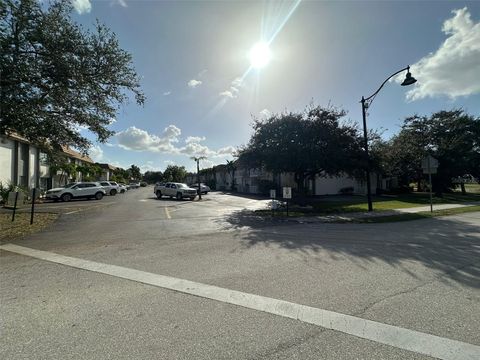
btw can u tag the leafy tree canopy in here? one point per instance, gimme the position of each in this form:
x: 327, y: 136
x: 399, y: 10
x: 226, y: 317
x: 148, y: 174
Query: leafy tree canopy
x: 313, y: 142
x: 134, y: 172
x: 153, y: 176
x: 452, y: 137
x: 56, y: 77
x: 174, y: 173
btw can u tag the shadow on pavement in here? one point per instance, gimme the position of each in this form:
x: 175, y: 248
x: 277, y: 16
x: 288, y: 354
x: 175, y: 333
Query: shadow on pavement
x: 447, y: 245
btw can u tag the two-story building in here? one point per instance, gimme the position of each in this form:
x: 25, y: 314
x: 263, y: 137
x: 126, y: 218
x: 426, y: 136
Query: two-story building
x: 24, y: 164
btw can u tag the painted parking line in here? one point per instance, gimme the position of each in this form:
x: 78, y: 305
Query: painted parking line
x: 86, y: 208
x: 431, y: 345
x: 167, y: 212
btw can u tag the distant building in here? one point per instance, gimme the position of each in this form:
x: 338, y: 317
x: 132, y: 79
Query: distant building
x: 24, y: 164
x: 107, y: 172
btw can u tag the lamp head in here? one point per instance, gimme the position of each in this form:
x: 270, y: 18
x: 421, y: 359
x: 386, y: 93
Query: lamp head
x: 409, y: 79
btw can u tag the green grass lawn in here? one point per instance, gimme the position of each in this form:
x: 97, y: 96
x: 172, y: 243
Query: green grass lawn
x: 358, y: 203
x: 329, y: 205
x: 21, y: 226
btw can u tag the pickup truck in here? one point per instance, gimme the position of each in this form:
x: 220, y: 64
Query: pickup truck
x: 177, y: 190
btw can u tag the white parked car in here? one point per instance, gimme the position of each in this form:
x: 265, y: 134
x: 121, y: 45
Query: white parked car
x: 174, y: 190
x: 109, y: 188
x: 76, y: 190
x: 122, y: 188
x: 204, y: 189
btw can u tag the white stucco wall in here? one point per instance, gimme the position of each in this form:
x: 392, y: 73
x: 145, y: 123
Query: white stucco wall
x: 32, y: 166
x: 332, y: 185
x: 6, y: 163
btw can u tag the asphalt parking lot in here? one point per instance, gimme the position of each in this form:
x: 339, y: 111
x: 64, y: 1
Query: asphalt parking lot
x: 145, y: 278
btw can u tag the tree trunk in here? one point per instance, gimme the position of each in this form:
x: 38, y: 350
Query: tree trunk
x: 462, y: 186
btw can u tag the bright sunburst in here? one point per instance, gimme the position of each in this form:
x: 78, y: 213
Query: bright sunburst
x: 260, y: 55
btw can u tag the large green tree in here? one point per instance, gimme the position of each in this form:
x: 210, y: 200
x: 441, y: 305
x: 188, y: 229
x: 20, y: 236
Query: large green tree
x: 452, y: 137
x: 56, y: 77
x: 313, y: 142
x: 134, y: 172
x: 175, y: 173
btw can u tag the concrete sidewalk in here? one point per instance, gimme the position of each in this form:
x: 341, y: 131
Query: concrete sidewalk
x: 375, y: 214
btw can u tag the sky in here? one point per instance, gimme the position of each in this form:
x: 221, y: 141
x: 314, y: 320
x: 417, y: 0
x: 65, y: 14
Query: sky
x: 202, y: 92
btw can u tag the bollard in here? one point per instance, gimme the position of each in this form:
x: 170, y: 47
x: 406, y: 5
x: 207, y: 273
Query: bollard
x: 15, y: 206
x: 33, y: 205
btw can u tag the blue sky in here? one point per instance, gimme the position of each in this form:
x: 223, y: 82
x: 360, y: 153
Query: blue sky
x: 192, y: 56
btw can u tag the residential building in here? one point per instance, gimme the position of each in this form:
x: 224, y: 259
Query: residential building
x: 107, y: 172
x: 24, y: 164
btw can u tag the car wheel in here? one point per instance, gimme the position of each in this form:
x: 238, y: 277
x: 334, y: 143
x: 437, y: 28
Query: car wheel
x: 192, y: 198
x: 99, y: 196
x: 66, y: 197
x: 179, y: 196
x: 159, y: 194
x: 113, y: 192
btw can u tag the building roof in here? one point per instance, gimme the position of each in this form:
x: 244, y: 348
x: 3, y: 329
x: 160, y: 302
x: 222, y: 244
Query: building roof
x: 75, y: 154
x: 108, y: 166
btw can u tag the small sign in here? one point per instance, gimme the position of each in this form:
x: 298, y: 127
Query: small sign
x: 429, y: 165
x: 273, y: 194
x: 287, y: 192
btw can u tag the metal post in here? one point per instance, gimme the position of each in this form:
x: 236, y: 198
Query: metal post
x: 430, y: 181
x: 287, y: 207
x: 365, y: 141
x: 198, y: 180
x: 33, y: 206
x: 15, y: 206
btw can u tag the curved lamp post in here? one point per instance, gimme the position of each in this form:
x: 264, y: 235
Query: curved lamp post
x: 409, y: 80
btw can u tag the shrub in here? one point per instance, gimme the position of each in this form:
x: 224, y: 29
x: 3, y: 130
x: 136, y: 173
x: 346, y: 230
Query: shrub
x: 348, y: 190
x: 264, y: 187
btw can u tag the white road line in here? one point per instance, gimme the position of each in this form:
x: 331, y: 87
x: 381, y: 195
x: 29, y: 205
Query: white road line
x: 72, y: 212
x: 167, y: 212
x: 431, y: 345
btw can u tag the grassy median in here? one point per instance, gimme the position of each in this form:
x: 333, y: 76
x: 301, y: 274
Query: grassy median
x: 21, y: 226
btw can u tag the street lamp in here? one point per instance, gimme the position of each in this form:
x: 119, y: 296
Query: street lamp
x: 197, y: 159
x: 366, y: 102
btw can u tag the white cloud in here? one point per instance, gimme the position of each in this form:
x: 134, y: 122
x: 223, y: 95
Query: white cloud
x: 166, y: 93
x: 122, y: 3
x: 137, y: 139
x: 194, y: 83
x: 149, y: 167
x: 227, y: 93
x: 112, y: 121
x: 227, y: 150
x: 265, y: 113
x: 234, y: 89
x: 454, y: 68
x: 82, y: 6
x: 96, y: 153
x: 197, y: 139
x: 169, y: 162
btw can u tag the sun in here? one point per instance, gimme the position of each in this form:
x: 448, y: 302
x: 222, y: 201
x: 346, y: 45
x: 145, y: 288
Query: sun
x: 260, y: 55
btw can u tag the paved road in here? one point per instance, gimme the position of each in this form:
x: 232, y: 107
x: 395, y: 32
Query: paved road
x: 421, y: 275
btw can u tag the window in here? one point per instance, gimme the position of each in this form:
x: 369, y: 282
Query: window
x: 104, y: 184
x: 173, y: 186
x: 90, y: 185
x: 43, y: 159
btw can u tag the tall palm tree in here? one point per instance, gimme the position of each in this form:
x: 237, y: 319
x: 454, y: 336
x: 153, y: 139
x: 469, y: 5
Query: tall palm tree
x: 231, y: 168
